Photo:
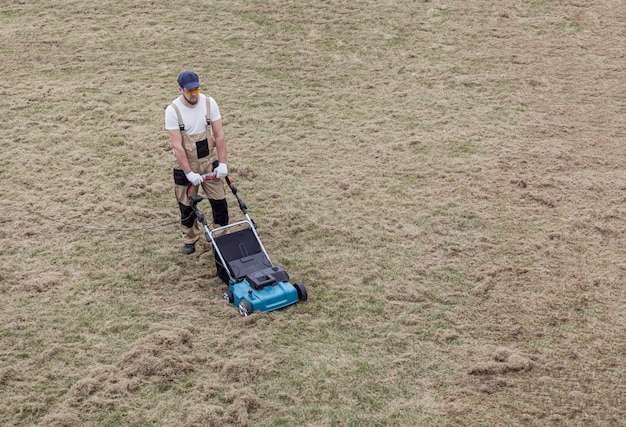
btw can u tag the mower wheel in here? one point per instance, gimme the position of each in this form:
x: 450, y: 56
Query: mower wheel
x: 302, y: 295
x: 228, y: 297
x: 245, y: 308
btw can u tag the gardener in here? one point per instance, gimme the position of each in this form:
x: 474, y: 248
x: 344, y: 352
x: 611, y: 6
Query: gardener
x: 194, y: 125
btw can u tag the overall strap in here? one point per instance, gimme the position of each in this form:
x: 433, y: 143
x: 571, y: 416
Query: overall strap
x: 208, y: 112
x: 208, y: 117
x: 181, y: 125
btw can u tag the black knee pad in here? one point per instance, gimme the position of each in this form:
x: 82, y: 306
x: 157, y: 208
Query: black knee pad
x: 220, y: 211
x: 187, y: 216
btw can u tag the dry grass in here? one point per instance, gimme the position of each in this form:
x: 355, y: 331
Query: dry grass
x: 447, y: 178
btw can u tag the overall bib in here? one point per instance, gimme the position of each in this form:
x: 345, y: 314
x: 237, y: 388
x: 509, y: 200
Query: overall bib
x: 201, y: 154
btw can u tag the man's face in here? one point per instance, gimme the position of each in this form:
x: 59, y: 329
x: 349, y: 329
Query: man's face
x: 191, y: 95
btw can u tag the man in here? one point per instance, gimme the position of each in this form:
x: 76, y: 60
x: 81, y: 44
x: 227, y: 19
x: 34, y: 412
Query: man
x: 194, y: 125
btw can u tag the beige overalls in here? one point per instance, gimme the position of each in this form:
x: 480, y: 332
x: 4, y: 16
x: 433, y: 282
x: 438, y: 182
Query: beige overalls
x: 201, y: 154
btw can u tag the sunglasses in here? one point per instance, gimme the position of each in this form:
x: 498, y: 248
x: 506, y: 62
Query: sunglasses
x: 191, y: 92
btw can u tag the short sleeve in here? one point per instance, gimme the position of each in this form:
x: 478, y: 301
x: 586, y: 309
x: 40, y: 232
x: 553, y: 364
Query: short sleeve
x: 171, y: 121
x: 215, y: 110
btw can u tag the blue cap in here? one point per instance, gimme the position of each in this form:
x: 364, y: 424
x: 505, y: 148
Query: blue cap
x: 188, y: 80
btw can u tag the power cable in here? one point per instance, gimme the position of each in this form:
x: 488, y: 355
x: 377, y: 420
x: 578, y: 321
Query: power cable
x: 110, y: 230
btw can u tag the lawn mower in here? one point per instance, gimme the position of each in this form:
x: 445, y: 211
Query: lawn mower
x: 254, y: 283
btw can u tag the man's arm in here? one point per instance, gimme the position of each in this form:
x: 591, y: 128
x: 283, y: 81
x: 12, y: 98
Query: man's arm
x: 176, y: 139
x: 220, y: 140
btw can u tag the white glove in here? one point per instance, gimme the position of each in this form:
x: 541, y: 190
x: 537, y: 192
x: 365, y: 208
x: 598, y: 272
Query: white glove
x: 194, y: 178
x: 221, y: 171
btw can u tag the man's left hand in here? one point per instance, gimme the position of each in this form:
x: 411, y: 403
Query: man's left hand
x: 221, y: 171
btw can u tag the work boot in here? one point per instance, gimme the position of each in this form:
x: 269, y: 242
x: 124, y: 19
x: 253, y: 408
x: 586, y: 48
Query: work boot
x: 189, y: 248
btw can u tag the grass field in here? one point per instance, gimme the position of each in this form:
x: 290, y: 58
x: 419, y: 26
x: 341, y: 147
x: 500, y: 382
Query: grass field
x: 446, y: 177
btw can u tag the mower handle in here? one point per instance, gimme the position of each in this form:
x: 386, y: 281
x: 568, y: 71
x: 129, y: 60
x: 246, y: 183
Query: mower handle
x: 233, y: 188
x: 194, y: 199
x: 213, y: 175
x: 231, y: 184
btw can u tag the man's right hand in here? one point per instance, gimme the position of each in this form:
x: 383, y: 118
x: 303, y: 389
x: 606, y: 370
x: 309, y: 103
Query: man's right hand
x: 194, y: 178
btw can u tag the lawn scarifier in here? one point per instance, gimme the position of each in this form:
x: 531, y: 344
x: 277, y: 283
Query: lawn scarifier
x: 254, y: 283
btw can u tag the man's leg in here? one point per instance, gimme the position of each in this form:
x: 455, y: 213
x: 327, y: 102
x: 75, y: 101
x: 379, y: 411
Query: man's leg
x: 215, y: 192
x: 214, y: 189
x: 189, y: 227
x: 220, y: 211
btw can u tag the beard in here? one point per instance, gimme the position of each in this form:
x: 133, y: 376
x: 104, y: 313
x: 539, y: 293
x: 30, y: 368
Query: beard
x: 190, y: 100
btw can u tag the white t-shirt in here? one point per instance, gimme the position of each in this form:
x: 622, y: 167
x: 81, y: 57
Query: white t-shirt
x: 193, y: 118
